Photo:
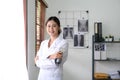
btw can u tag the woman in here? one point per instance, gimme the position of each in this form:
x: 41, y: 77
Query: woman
x: 50, y: 50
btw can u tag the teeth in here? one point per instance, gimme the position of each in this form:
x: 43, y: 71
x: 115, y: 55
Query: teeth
x: 52, y: 32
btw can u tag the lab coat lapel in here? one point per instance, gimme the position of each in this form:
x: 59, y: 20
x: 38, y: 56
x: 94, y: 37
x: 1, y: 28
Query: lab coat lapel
x: 56, y: 42
x: 53, y: 48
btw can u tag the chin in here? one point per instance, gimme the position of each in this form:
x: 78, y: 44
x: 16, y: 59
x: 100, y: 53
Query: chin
x: 51, y: 34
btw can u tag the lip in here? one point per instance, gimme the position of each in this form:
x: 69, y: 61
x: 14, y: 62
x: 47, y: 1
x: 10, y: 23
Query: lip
x: 51, y: 32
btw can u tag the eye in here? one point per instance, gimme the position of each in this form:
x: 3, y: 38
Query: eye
x: 48, y: 26
x: 54, y: 25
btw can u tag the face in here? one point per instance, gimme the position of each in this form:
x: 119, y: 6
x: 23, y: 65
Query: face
x: 52, y: 28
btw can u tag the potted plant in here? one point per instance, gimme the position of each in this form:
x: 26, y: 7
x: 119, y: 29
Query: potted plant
x: 110, y: 38
x: 106, y: 38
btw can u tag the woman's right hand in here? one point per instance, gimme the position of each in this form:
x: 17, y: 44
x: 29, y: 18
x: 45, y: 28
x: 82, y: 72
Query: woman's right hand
x: 56, y: 55
x: 36, y: 58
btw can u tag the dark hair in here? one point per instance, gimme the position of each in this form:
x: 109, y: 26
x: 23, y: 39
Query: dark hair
x: 54, y: 18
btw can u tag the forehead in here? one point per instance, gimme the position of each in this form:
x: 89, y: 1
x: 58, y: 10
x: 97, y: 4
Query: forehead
x: 51, y: 22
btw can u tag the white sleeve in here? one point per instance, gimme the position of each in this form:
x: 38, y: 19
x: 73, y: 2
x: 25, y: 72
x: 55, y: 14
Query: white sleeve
x: 39, y: 53
x: 65, y: 51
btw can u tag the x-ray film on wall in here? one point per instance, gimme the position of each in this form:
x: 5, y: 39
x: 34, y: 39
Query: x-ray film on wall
x: 68, y: 32
x: 79, y: 40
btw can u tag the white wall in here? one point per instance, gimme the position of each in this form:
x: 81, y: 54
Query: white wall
x: 79, y: 63
x: 33, y: 71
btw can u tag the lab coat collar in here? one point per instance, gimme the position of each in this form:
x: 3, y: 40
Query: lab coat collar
x: 56, y: 41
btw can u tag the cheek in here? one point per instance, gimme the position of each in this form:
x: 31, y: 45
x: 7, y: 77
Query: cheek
x: 56, y: 29
x: 47, y: 29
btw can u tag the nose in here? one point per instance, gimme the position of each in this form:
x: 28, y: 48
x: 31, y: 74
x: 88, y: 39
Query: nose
x: 51, y: 27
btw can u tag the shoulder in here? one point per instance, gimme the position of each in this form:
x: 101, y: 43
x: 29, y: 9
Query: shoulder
x: 43, y: 42
x: 64, y: 42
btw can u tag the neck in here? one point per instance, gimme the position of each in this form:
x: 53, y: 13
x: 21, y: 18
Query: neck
x: 52, y: 38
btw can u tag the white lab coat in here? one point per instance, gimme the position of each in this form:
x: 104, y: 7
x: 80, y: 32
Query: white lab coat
x: 48, y: 69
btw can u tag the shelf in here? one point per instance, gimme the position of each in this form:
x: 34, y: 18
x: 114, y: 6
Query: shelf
x: 106, y: 60
x: 104, y: 52
x: 101, y: 79
x: 108, y: 42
